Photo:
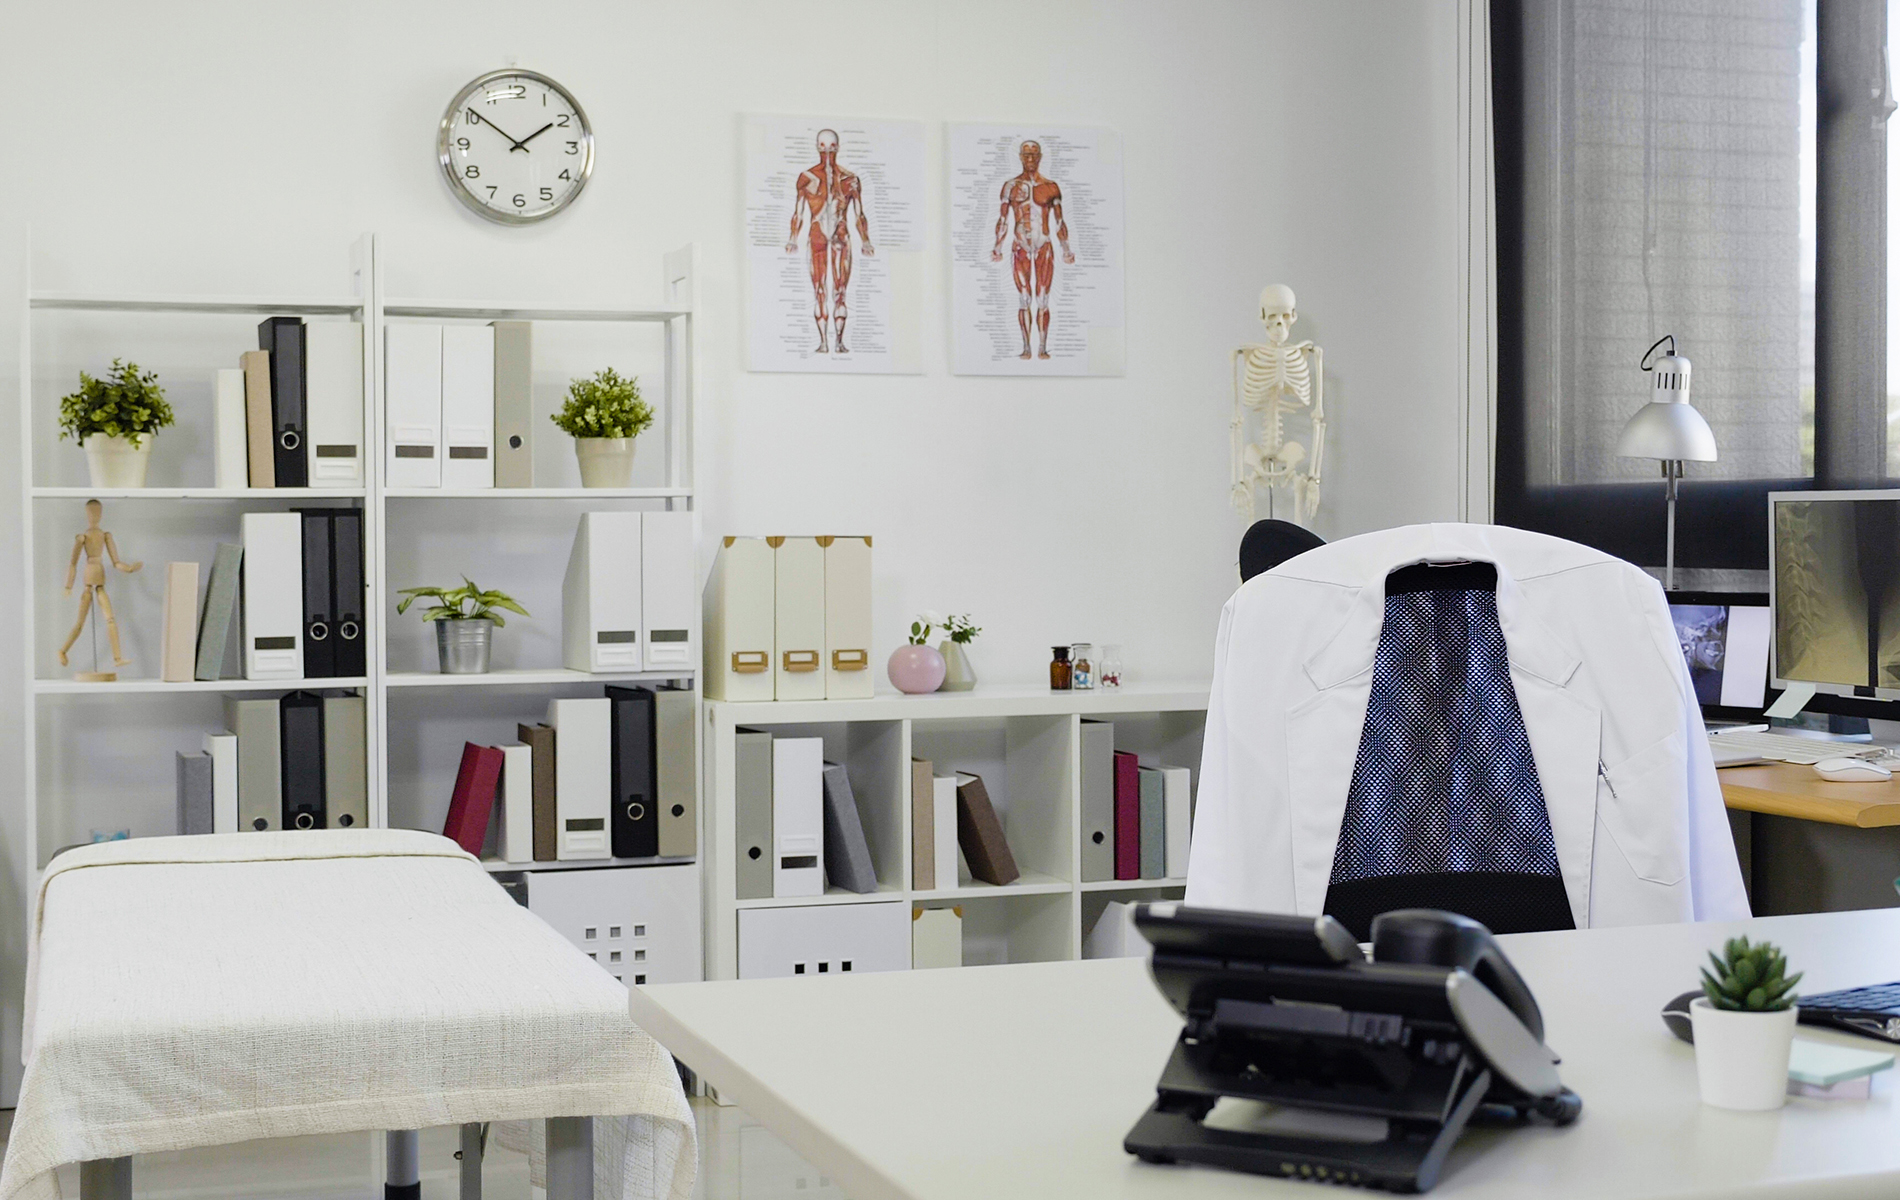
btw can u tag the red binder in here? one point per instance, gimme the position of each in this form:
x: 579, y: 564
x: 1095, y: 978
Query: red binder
x: 474, y: 797
x: 1127, y: 816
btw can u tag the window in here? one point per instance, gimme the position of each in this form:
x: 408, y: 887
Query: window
x: 1713, y: 172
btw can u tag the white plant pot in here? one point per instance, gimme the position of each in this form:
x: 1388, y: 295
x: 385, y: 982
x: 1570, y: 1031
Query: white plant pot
x: 115, y: 462
x: 605, y: 462
x: 1741, y: 1058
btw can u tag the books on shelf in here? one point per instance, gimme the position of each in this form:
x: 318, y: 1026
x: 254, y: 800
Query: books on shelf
x: 476, y: 782
x: 517, y: 803
x: 220, y: 612
x: 980, y: 834
x: 260, y: 457
x: 296, y: 761
x: 847, y: 853
x: 195, y: 801
x: 223, y: 752
x: 540, y: 742
x: 229, y: 434
x: 178, y: 636
x: 923, y: 817
x: 1127, y: 816
x: 943, y: 830
x: 1154, y: 825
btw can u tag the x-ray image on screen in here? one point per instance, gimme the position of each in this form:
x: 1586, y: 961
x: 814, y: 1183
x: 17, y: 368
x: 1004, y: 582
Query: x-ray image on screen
x: 1837, y: 589
x: 1703, y: 631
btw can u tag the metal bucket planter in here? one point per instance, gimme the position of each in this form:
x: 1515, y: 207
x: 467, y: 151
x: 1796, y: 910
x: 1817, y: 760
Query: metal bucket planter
x: 462, y: 646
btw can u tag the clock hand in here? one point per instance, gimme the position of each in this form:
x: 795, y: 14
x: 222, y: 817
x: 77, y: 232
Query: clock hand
x: 523, y: 143
x: 514, y: 145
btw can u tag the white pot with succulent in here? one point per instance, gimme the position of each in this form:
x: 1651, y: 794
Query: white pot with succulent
x: 1744, y: 1027
x: 958, y: 675
x: 604, y: 415
x: 115, y: 419
x: 465, y: 622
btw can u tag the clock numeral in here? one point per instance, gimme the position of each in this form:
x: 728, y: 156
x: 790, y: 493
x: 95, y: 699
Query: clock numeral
x: 473, y: 117
x: 491, y: 191
x: 461, y: 143
x: 562, y: 120
x: 566, y: 176
x: 547, y: 193
x: 521, y: 201
x: 472, y: 171
x: 544, y: 99
x: 573, y: 147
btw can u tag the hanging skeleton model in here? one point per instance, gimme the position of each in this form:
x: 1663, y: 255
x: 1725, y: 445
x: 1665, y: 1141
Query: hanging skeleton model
x: 1278, y: 380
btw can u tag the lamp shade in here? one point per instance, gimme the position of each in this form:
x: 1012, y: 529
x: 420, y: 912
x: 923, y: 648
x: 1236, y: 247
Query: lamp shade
x: 1669, y: 430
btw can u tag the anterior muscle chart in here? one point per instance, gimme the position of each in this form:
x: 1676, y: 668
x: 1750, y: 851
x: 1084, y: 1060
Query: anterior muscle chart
x: 832, y: 243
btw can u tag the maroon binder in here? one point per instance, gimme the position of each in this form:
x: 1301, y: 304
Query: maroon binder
x: 474, y: 797
x: 1127, y: 816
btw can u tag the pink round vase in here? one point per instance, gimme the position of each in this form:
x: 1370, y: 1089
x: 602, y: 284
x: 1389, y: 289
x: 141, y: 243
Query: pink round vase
x: 916, y: 669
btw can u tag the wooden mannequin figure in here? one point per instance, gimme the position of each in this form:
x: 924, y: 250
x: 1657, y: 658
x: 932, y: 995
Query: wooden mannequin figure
x: 97, y: 545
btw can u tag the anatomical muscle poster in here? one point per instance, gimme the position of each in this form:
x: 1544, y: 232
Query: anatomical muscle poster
x: 1035, y: 250
x: 834, y: 244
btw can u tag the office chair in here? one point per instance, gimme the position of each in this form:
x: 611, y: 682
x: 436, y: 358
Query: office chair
x: 1268, y: 543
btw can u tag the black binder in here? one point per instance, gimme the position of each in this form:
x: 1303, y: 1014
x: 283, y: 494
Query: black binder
x: 635, y: 825
x: 319, y: 617
x: 283, y: 337
x: 300, y: 725
x: 347, y: 596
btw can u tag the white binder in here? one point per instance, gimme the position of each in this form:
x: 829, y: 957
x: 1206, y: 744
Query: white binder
x: 468, y: 406
x: 223, y: 749
x: 944, y: 829
x: 667, y: 575
x: 807, y: 940
x: 799, y: 619
x: 582, y: 779
x: 1175, y: 783
x: 600, y: 598
x: 229, y: 435
x: 412, y: 398
x: 798, y: 816
x: 273, y: 595
x: 333, y: 388
x: 517, y: 803
x: 848, y: 674
x: 739, y: 620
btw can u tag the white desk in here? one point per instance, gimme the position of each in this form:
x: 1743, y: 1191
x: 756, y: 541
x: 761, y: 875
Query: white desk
x: 1019, y: 1082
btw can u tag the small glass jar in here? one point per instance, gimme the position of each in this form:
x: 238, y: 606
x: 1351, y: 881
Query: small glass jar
x: 1061, y: 676
x: 1108, y: 668
x: 1084, y: 656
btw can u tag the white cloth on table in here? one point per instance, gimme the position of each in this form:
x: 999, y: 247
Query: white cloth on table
x: 197, y: 991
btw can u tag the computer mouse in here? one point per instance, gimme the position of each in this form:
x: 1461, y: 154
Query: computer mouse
x: 1675, y: 1014
x: 1851, y: 770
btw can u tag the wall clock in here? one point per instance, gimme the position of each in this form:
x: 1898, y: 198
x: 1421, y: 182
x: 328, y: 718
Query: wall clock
x: 515, y: 146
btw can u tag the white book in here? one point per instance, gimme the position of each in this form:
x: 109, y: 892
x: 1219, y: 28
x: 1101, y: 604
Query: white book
x: 273, y: 595
x: 412, y: 398
x: 517, y: 803
x: 798, y: 816
x: 1175, y: 783
x: 223, y: 749
x: 229, y: 436
x: 944, y: 830
x: 583, y: 783
x: 739, y: 621
x: 333, y: 390
x: 468, y: 406
x: 667, y: 577
x: 848, y: 674
x: 799, y: 619
x: 600, y: 596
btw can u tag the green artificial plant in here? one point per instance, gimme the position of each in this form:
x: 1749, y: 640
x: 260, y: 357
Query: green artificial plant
x: 127, y: 403
x: 1749, y: 978
x: 961, y: 629
x: 452, y: 604
x: 606, y: 406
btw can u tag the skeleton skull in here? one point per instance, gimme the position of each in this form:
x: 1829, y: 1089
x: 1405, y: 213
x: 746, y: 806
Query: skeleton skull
x: 1277, y: 312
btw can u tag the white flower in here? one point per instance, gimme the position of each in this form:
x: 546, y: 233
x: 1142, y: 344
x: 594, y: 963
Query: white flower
x: 931, y: 618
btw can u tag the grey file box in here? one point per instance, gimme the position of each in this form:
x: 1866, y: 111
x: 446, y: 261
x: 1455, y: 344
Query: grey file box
x: 514, y: 405
x: 1098, y: 801
x: 1154, y: 824
x: 260, y: 759
x: 675, y: 736
x: 345, y: 763
x: 752, y: 780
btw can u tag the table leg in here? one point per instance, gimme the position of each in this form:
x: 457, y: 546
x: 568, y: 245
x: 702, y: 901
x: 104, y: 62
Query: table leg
x: 106, y: 1179
x: 570, y: 1158
x: 472, y: 1161
x: 402, y: 1165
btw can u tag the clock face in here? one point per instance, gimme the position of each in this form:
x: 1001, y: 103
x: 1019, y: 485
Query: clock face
x: 515, y: 147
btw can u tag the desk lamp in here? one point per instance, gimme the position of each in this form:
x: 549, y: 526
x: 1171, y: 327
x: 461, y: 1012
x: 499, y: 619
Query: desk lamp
x: 1668, y: 428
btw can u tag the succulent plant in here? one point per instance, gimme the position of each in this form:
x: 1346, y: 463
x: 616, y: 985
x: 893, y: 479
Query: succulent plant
x: 1749, y: 978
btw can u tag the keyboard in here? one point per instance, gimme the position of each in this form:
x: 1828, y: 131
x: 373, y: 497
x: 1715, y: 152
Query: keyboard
x: 1735, y: 748
x: 1870, y: 1011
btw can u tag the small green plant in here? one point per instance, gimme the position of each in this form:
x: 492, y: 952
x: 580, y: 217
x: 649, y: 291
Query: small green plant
x: 127, y: 403
x: 605, y: 406
x: 452, y: 604
x: 961, y: 629
x: 1749, y: 978
x: 921, y: 627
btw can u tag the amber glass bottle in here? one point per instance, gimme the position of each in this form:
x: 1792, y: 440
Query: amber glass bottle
x: 1061, y: 674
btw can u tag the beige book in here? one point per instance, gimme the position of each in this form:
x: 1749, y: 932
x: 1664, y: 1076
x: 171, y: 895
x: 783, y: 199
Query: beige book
x: 936, y: 938
x: 260, y: 437
x: 923, y: 826
x: 180, y: 638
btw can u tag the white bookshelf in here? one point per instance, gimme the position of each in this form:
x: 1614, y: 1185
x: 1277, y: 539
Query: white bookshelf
x: 1026, y: 744
x: 99, y: 755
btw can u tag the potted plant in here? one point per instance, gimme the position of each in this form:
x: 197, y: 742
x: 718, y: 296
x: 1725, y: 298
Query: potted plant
x: 604, y: 415
x: 958, y: 675
x: 465, y: 618
x: 914, y: 667
x: 115, y: 419
x: 1744, y: 1027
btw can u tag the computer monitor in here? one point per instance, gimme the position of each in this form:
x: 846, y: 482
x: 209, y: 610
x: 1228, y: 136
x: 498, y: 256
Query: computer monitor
x: 1724, y: 637
x: 1834, y: 580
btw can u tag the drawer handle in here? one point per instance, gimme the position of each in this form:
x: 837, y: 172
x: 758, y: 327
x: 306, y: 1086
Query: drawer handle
x: 801, y: 660
x: 850, y: 660
x: 750, y: 662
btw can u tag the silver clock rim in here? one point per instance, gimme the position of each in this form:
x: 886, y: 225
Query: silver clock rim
x: 448, y: 169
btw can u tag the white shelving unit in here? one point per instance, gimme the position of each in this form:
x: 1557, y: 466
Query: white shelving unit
x: 1023, y: 741
x: 415, y: 715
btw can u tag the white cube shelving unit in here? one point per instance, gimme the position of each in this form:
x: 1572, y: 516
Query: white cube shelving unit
x: 1023, y: 741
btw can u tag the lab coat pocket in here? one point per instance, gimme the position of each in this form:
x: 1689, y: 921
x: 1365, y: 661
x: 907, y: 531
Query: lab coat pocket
x: 1639, y: 801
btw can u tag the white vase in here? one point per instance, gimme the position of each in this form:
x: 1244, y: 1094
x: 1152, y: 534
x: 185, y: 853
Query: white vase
x: 115, y: 462
x: 605, y: 462
x: 958, y: 675
x: 1741, y: 1058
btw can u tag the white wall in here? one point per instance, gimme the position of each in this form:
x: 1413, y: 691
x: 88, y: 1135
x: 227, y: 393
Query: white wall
x: 219, y: 148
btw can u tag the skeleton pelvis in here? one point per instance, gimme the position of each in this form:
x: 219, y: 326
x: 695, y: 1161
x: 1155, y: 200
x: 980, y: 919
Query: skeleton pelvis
x: 1279, y: 464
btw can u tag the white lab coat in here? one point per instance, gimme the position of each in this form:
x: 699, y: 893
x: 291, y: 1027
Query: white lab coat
x: 1630, y: 785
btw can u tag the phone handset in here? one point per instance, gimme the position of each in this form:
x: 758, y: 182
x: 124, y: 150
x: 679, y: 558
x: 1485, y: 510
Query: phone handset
x: 1442, y: 939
